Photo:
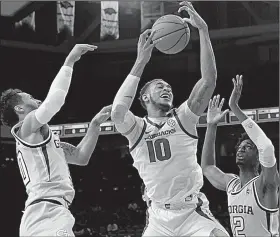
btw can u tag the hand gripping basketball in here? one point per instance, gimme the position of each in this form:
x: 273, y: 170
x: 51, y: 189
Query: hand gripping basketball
x: 195, y: 19
x: 172, y: 34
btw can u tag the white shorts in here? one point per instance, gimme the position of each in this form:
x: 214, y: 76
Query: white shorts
x: 192, y: 220
x: 46, y: 219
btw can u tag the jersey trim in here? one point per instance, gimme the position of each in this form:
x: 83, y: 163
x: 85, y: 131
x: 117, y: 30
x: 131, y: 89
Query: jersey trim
x: 236, y: 192
x: 199, y: 210
x: 181, y: 126
x: 27, y: 144
x: 46, y: 157
x: 140, y: 137
x: 130, y: 130
x: 230, y: 182
x: 259, y: 203
x: 154, y: 124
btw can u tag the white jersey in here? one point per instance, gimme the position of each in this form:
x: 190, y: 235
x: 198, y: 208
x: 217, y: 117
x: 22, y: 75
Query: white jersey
x: 43, y: 168
x: 165, y: 154
x: 248, y: 217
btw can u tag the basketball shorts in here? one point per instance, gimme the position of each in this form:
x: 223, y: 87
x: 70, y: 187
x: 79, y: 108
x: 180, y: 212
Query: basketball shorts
x: 47, y: 219
x: 190, y: 217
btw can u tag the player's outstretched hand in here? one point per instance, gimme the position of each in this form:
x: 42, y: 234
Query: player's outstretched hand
x: 214, y: 113
x: 103, y: 115
x: 237, y: 90
x: 145, y: 46
x: 195, y: 19
x: 79, y: 50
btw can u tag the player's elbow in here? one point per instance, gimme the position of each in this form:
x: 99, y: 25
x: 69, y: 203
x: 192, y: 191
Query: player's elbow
x: 118, y: 113
x: 207, y: 170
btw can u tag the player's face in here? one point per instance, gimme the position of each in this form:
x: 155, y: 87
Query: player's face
x: 161, y: 95
x: 29, y: 103
x: 247, y: 154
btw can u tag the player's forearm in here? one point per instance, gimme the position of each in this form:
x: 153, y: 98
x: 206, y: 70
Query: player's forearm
x: 56, y: 95
x: 88, y: 143
x: 208, y: 157
x: 207, y: 57
x: 238, y: 112
x: 262, y: 142
x: 126, y: 93
x: 63, y: 79
x: 138, y: 68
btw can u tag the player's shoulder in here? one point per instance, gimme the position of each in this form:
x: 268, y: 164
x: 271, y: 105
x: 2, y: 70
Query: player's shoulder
x: 233, y: 180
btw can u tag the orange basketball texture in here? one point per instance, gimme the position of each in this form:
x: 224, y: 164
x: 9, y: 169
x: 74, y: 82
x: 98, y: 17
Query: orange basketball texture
x: 173, y: 32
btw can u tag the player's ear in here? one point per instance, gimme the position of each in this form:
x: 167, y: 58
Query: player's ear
x: 18, y: 109
x: 145, y: 97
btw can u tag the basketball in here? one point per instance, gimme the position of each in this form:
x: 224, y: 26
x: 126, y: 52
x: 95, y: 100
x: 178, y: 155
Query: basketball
x: 173, y: 32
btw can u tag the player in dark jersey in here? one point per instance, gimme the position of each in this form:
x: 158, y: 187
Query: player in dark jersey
x: 252, y: 196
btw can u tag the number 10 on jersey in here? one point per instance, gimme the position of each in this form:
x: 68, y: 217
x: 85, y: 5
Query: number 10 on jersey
x: 23, y: 169
x: 159, y: 150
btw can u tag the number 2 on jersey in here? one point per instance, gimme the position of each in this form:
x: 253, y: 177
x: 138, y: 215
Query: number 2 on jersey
x: 238, y: 226
x: 160, y: 150
x: 23, y: 169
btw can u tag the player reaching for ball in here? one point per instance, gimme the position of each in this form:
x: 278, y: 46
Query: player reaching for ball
x: 164, y: 143
x: 252, y: 197
x: 42, y: 158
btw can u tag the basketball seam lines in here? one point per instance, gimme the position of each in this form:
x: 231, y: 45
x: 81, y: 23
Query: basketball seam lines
x: 170, y: 33
x: 174, y: 44
x: 167, y: 22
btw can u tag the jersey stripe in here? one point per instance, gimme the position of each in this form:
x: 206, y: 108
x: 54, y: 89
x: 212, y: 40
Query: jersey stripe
x: 130, y: 130
x: 181, y: 126
x: 259, y: 203
x: 140, y: 137
x: 244, y: 186
x: 154, y: 124
x: 40, y: 161
x: 230, y: 182
x: 268, y: 221
x: 46, y: 156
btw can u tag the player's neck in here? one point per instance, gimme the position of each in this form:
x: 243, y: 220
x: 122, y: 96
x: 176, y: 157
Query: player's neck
x: 156, y: 113
x: 247, y: 175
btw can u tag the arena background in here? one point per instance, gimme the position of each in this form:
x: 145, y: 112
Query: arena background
x: 245, y: 39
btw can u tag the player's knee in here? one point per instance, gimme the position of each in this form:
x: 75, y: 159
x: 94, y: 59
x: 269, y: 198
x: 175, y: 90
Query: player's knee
x: 218, y: 233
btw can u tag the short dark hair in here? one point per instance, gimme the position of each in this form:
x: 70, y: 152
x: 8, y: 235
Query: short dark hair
x: 244, y: 136
x: 143, y: 90
x: 9, y: 99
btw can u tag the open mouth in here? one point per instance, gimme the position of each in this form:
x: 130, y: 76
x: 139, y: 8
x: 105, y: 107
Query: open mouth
x: 166, y: 96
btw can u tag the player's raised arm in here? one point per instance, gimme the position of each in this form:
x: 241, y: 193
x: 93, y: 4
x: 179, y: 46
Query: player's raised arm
x: 80, y: 154
x: 57, y: 93
x: 216, y: 177
x: 127, y: 91
x: 205, y: 87
x: 269, y: 175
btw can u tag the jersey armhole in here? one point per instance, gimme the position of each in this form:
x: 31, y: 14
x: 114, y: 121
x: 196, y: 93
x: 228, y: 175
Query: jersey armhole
x: 139, y: 138
x: 181, y: 125
x: 231, y: 182
x: 27, y: 144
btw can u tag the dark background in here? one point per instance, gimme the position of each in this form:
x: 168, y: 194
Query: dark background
x: 96, y: 79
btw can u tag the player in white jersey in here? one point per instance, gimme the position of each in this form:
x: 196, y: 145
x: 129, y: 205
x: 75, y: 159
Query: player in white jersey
x: 42, y: 158
x: 252, y: 197
x: 163, y: 145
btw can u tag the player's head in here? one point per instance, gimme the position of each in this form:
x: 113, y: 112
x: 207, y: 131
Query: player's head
x: 247, y: 155
x: 15, y: 105
x: 156, y: 94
